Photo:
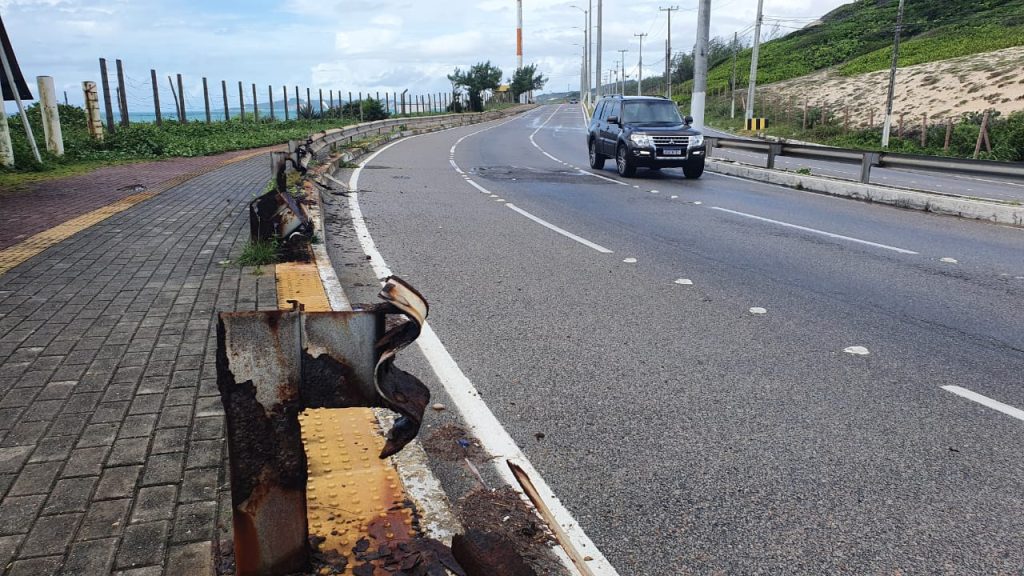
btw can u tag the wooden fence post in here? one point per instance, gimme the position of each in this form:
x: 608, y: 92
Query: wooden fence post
x: 331, y: 94
x: 982, y: 136
x: 92, y: 111
x: 122, y: 102
x: 846, y: 119
x: 255, y: 106
x: 899, y: 131
x: 181, y: 100
x: 309, y: 101
x: 270, y: 98
x: 321, y: 102
x: 206, y: 100
x: 298, y: 115
x: 871, y: 118
x: 805, y: 114
x: 241, y: 102
x: 224, y: 89
x: 108, y: 107
x: 924, y: 130
x: 949, y: 134
x: 156, y: 97
x: 284, y: 93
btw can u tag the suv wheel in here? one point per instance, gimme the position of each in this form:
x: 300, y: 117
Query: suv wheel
x: 596, y: 160
x: 693, y: 169
x: 622, y: 162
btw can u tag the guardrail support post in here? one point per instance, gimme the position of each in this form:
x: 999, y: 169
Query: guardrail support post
x: 773, y: 151
x: 870, y: 159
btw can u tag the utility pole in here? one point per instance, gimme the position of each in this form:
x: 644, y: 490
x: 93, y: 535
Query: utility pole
x: 622, y: 63
x: 598, y: 49
x: 892, y: 76
x: 668, y: 51
x: 585, y: 73
x: 700, y: 64
x: 732, y: 87
x: 640, y: 65
x: 752, y: 84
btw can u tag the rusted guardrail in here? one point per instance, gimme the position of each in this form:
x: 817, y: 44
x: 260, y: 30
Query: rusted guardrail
x: 868, y: 159
x: 271, y: 366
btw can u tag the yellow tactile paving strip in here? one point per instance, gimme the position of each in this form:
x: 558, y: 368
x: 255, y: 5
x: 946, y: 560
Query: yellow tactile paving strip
x: 300, y: 281
x: 350, y: 492
x: 22, y: 251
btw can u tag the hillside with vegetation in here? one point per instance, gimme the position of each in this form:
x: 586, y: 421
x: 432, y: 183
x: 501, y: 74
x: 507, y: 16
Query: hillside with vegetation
x: 857, y: 38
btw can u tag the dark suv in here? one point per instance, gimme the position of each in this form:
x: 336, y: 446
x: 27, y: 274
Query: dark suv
x: 644, y: 131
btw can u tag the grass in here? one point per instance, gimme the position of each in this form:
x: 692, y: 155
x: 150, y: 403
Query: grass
x: 259, y: 253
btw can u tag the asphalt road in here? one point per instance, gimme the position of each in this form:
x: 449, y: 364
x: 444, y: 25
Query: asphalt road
x: 995, y: 188
x: 686, y: 433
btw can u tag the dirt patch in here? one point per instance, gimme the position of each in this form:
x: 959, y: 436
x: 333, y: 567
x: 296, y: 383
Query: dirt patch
x: 503, y: 511
x: 939, y: 89
x: 451, y: 443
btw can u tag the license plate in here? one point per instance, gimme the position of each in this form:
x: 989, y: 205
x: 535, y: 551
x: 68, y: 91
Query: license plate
x: 671, y: 152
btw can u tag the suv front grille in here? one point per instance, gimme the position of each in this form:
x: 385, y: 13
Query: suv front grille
x: 671, y: 140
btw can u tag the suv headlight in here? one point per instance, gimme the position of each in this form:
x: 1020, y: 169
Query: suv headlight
x: 641, y: 139
x: 697, y: 140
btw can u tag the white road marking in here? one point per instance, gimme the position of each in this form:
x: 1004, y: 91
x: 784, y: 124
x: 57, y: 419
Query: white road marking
x: 758, y: 310
x: 949, y: 260
x: 474, y: 411
x: 565, y: 233
x: 986, y: 401
x: 856, y: 350
x: 684, y: 282
x: 814, y: 231
x: 629, y: 260
x: 674, y: 197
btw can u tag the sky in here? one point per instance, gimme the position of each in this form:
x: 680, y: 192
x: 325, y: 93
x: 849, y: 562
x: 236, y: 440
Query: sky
x: 351, y: 45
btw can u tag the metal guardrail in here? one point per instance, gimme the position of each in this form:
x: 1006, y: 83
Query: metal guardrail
x: 868, y: 159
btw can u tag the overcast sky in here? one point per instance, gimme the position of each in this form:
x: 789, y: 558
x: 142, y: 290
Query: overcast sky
x: 357, y: 45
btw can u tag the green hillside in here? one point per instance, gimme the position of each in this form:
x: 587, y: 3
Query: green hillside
x: 857, y: 38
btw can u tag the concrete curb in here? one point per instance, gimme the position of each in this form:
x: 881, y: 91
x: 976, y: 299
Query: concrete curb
x: 963, y: 207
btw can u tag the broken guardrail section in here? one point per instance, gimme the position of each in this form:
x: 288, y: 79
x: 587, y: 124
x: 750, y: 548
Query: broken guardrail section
x: 277, y: 214
x: 271, y: 366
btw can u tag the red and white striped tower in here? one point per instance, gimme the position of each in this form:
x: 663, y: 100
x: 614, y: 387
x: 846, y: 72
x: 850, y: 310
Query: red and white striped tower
x: 519, y: 33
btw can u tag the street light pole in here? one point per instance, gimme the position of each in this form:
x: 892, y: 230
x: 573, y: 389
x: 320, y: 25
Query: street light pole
x: 892, y: 77
x: 622, y: 62
x: 585, y: 84
x: 598, y: 48
x: 752, y: 84
x: 640, y: 66
x: 668, y: 51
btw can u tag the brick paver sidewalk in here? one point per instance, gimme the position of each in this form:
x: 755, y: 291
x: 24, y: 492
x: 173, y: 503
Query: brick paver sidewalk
x: 42, y: 205
x: 111, y: 430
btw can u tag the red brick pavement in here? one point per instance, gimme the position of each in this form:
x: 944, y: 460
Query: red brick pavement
x: 42, y: 205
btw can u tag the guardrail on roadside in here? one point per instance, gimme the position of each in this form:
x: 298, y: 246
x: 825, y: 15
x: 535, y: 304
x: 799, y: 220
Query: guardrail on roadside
x: 868, y: 159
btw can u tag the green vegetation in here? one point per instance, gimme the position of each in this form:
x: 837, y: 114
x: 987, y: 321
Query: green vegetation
x: 480, y: 77
x: 857, y: 37
x: 526, y: 80
x: 142, y: 141
x: 259, y: 253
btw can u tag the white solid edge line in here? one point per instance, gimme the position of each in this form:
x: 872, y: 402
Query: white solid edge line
x: 986, y: 401
x: 814, y: 230
x: 474, y: 411
x: 565, y: 233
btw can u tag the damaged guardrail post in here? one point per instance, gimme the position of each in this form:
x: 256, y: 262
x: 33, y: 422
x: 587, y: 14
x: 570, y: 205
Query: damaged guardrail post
x: 273, y: 365
x: 774, y: 150
x: 277, y: 214
x: 870, y: 159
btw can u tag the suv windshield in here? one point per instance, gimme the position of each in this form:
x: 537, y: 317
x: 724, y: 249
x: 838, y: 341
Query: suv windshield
x: 650, y: 112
